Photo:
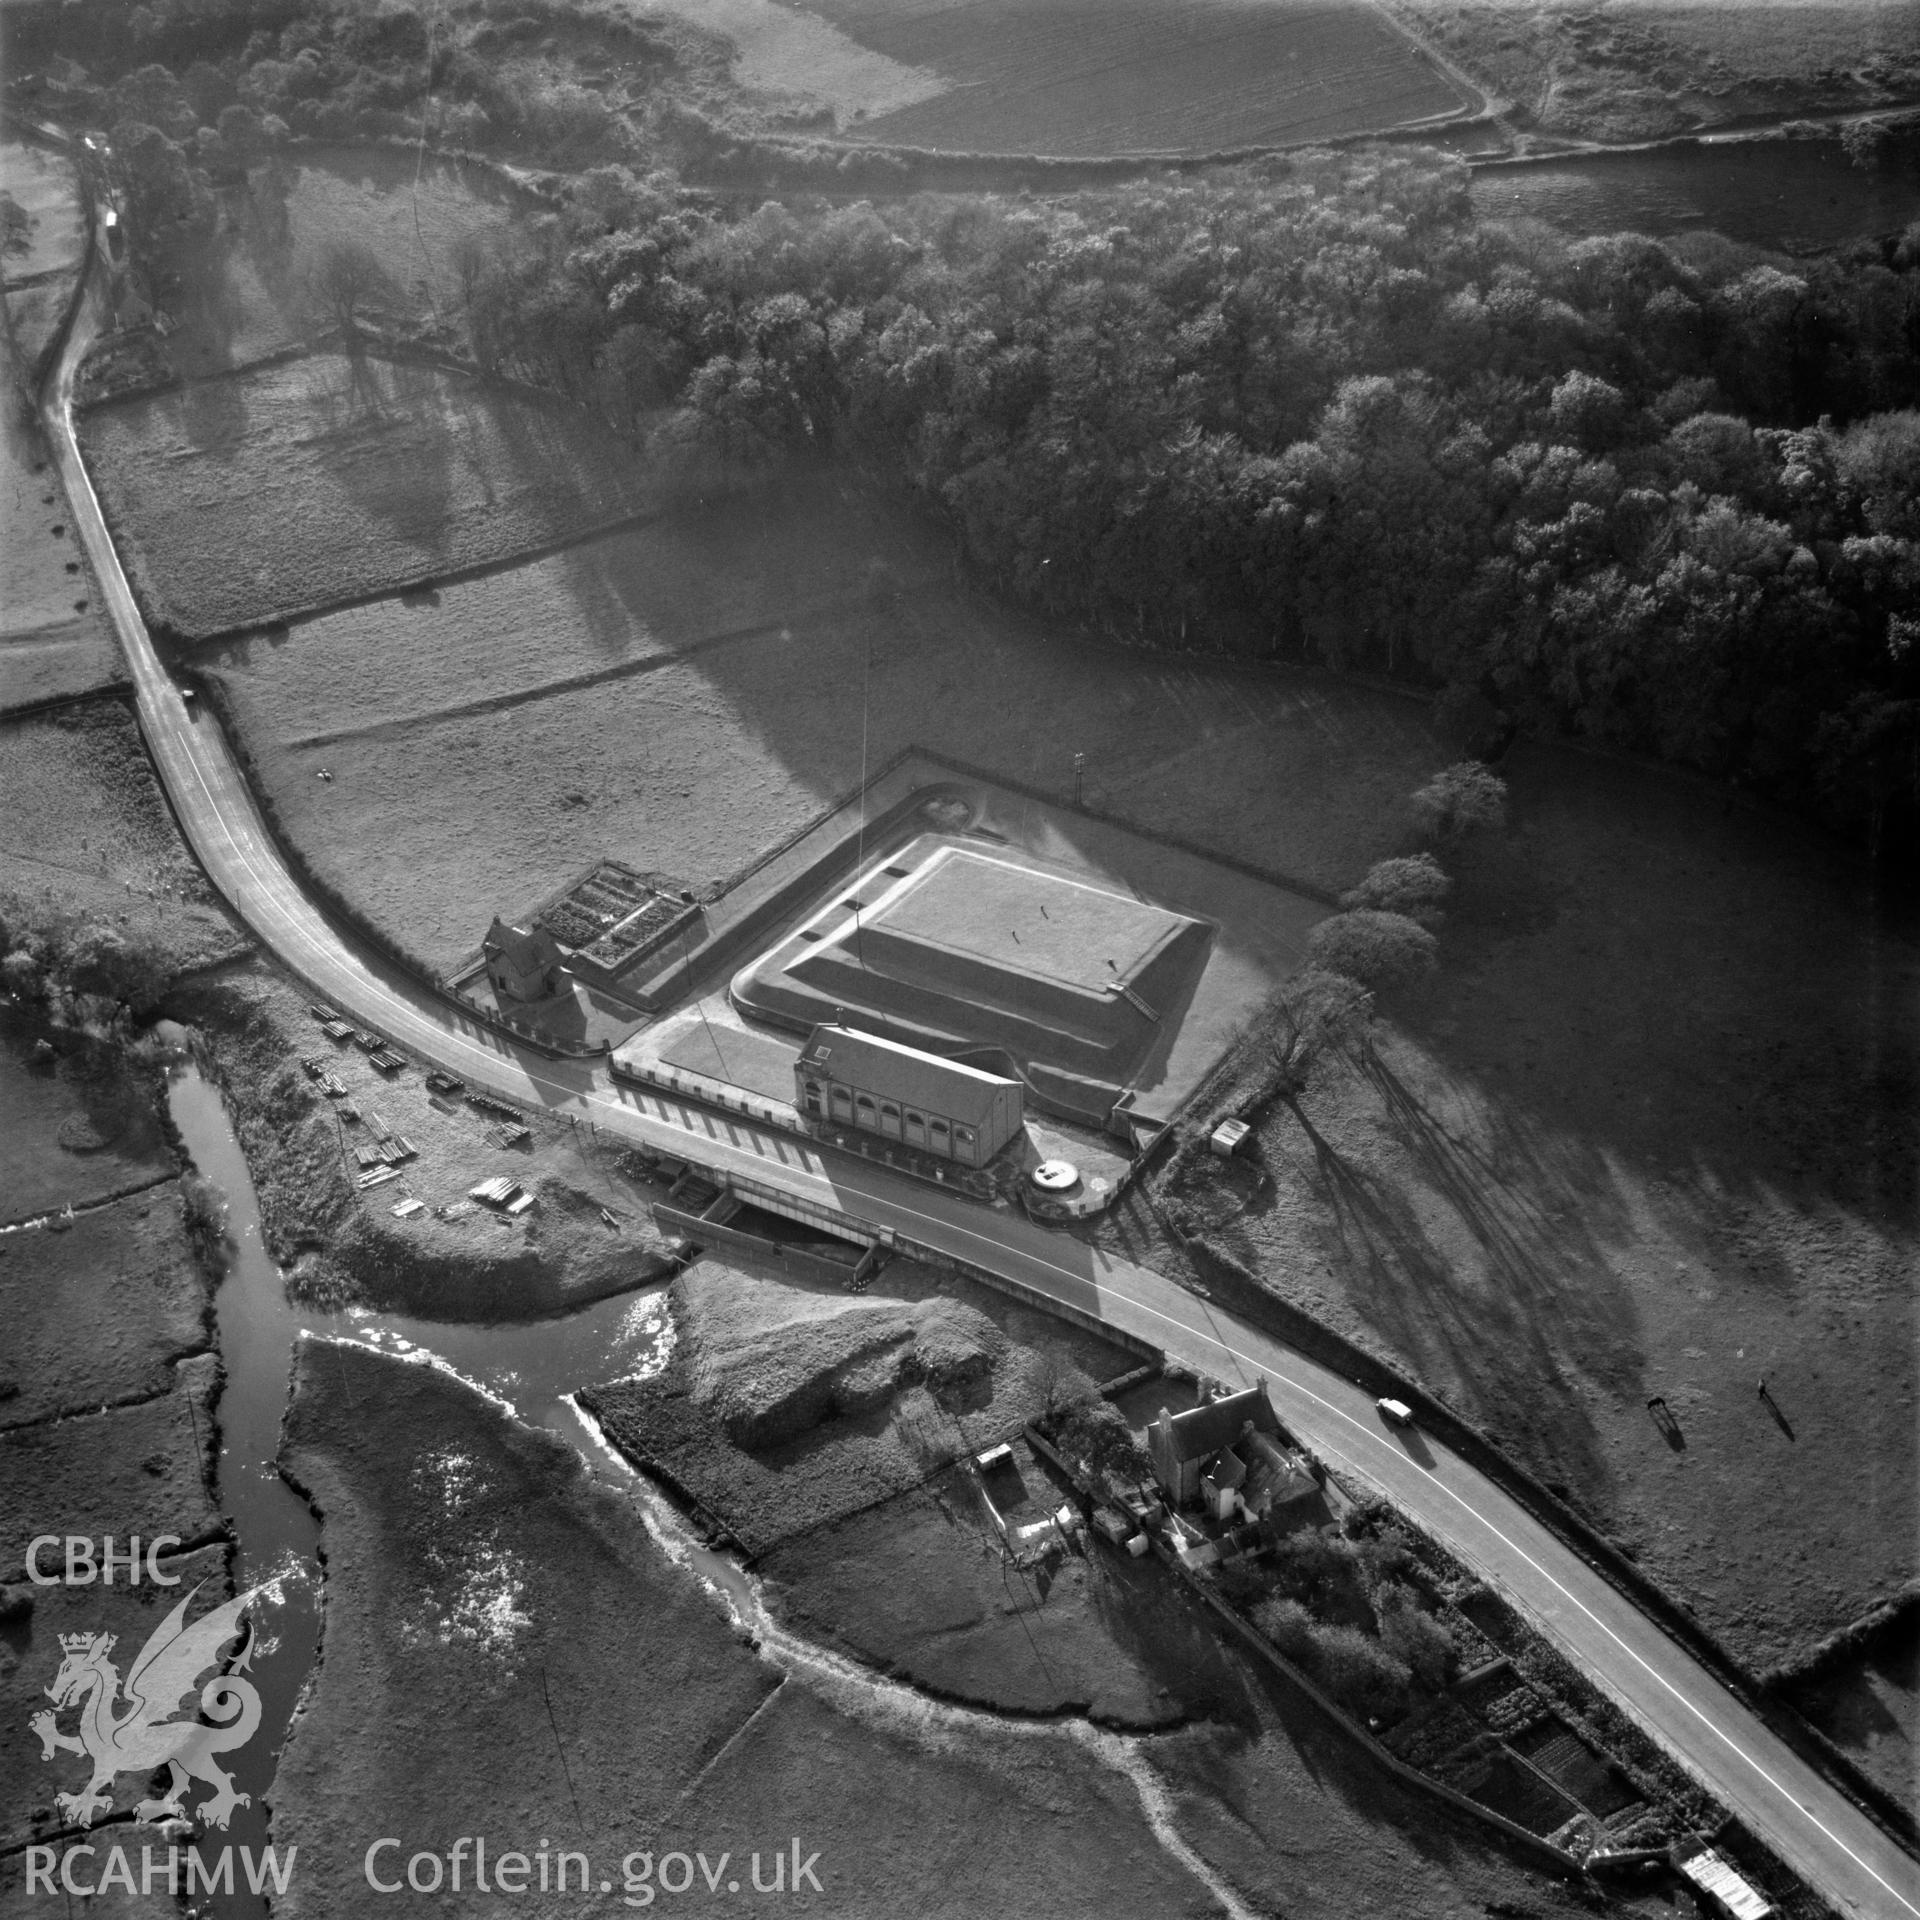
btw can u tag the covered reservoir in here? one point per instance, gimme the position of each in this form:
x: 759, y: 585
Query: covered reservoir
x: 996, y: 956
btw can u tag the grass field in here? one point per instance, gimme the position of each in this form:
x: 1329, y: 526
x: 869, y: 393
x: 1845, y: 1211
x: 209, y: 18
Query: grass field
x: 86, y: 830
x: 1637, y: 69
x: 1651, y: 1132
x: 1074, y: 78
x: 251, y: 297
x: 787, y: 1406
x: 1099, y: 1633
x: 695, y: 692
x: 99, y: 1314
x: 241, y: 500
x: 782, y: 49
x: 540, y: 1667
x: 71, y: 1137
x: 1871, y: 1706
x: 53, y: 638
x: 42, y: 185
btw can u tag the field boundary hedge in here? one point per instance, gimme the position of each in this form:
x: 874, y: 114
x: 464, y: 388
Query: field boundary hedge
x: 1250, y: 1300
x: 349, y: 917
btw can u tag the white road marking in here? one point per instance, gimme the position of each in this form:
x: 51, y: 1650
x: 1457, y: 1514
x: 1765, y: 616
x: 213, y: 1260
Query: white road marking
x: 182, y: 742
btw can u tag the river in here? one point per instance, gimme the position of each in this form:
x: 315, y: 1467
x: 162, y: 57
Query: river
x: 1799, y: 196
x: 534, y: 1368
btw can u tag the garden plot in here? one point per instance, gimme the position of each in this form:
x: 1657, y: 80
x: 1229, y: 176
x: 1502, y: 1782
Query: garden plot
x: 1086, y: 77
x: 246, y: 500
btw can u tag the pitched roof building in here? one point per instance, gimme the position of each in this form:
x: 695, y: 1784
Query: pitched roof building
x: 523, y: 963
x: 1182, y: 1445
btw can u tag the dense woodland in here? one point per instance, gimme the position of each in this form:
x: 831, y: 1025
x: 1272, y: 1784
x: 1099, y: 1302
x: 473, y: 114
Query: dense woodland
x: 1665, y: 496
x: 1660, y: 494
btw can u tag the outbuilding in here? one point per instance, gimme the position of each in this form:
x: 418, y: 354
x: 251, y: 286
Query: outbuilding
x: 844, y: 1078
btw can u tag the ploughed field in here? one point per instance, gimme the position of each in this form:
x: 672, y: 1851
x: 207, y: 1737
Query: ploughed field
x: 1087, y: 77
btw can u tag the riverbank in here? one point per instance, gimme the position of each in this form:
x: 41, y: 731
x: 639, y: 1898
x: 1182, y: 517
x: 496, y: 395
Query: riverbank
x: 589, y: 1234
x: 587, y: 1695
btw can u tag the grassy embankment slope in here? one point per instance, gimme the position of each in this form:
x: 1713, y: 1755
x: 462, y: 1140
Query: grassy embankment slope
x: 87, y: 834
x: 539, y: 1668
x: 786, y: 1405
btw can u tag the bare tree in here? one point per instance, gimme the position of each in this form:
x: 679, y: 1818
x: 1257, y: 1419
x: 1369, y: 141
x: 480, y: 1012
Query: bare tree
x: 469, y: 257
x: 1315, y: 1010
x: 347, y: 275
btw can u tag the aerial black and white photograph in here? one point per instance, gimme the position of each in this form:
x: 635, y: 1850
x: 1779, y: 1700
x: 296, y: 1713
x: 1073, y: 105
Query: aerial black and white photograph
x: 960, y: 959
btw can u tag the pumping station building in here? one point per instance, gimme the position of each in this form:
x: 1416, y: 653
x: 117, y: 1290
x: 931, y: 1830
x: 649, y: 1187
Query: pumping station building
x: 880, y: 1086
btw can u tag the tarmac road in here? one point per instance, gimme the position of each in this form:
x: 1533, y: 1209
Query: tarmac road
x: 1837, y: 1849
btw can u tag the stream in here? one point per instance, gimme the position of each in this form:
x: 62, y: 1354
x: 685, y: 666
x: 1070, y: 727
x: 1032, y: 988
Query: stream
x: 534, y: 1368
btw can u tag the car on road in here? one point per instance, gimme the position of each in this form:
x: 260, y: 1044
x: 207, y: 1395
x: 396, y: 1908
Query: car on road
x: 1396, y: 1413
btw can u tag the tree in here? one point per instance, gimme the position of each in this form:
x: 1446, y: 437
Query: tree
x: 16, y: 227
x: 1413, y: 1636
x: 1360, y: 1673
x: 1414, y: 886
x: 346, y: 276
x: 1461, y: 799
x: 1315, y: 1010
x: 1376, y: 949
x: 1288, y: 1625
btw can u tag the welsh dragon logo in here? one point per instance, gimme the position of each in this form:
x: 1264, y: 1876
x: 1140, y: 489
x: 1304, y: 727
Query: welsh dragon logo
x: 127, y: 1726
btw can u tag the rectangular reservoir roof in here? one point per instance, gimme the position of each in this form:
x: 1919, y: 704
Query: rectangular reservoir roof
x: 1030, y: 919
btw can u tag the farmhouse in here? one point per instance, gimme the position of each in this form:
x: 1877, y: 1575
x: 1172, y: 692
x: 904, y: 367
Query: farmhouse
x: 1228, y: 1455
x: 941, y: 1107
x: 523, y: 963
